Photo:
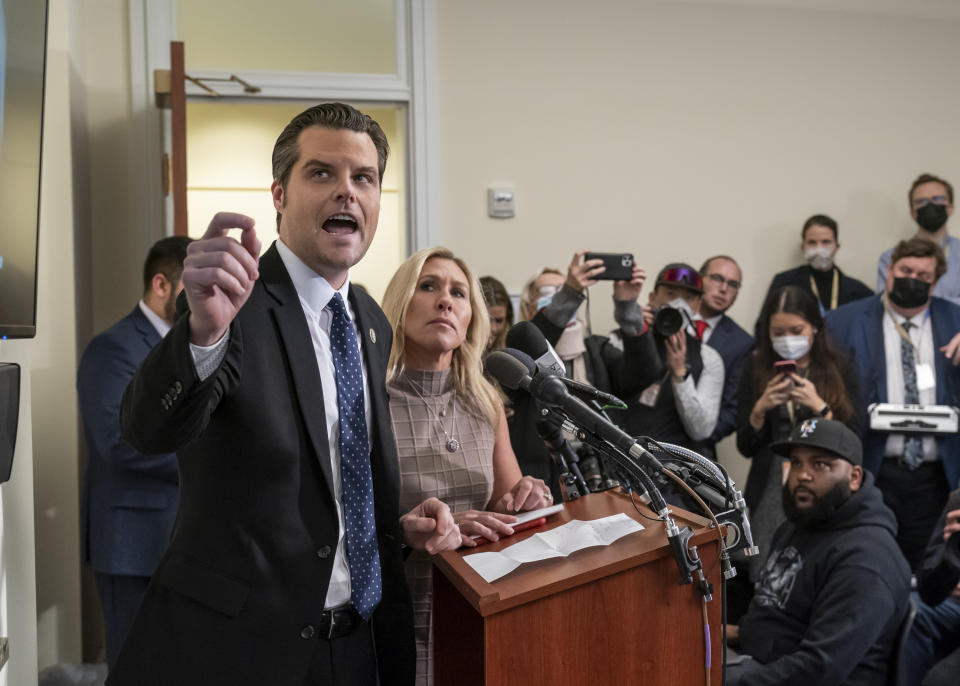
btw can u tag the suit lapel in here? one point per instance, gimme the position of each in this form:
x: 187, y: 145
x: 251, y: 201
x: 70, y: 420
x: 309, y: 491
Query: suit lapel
x: 144, y: 327
x: 872, y: 332
x: 376, y: 340
x: 940, y: 324
x: 298, y: 346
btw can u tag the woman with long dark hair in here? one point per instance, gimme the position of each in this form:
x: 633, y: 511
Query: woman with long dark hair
x: 776, y: 395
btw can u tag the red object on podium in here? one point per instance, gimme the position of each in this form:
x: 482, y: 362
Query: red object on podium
x: 605, y: 615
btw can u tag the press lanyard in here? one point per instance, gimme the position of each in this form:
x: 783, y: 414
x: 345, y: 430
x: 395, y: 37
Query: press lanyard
x: 899, y: 327
x: 834, y: 293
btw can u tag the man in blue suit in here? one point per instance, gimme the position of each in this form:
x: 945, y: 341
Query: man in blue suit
x: 722, y: 280
x: 900, y: 343
x: 130, y: 499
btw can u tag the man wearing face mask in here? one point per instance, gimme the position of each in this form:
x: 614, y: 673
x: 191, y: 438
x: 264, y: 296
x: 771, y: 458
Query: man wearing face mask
x: 893, y: 339
x: 820, y: 275
x: 931, y: 205
x: 682, y: 379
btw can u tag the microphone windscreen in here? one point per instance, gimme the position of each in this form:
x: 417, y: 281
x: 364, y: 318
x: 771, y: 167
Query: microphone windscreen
x: 506, y: 368
x: 527, y: 337
x: 520, y: 356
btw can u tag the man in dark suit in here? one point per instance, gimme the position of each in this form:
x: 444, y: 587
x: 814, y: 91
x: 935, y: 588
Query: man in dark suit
x: 129, y: 498
x: 820, y: 275
x: 899, y: 342
x: 722, y: 280
x: 285, y: 565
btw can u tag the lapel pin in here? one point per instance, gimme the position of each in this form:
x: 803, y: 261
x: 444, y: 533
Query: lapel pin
x: 373, y: 336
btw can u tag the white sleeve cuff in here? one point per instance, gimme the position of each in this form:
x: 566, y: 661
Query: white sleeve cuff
x: 207, y: 358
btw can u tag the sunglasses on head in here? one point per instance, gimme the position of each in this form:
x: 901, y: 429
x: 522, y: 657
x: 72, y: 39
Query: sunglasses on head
x: 682, y: 276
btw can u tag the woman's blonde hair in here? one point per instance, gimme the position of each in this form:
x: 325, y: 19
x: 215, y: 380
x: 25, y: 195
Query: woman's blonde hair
x: 467, y: 364
x: 530, y: 295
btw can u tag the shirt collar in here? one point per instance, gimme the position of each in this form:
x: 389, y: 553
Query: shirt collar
x: 158, y: 322
x: 713, y: 321
x: 314, y: 290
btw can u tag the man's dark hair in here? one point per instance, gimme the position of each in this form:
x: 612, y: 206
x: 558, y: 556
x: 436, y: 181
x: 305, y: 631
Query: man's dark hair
x: 919, y: 247
x: 706, y: 264
x: 820, y: 220
x: 165, y: 257
x: 329, y: 115
x: 929, y: 178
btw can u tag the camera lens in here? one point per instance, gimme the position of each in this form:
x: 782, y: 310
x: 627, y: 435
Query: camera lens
x: 667, y: 321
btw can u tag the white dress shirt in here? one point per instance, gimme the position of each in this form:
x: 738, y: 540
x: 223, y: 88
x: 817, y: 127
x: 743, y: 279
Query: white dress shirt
x: 922, y: 336
x: 314, y: 292
x: 159, y: 323
x: 699, y: 404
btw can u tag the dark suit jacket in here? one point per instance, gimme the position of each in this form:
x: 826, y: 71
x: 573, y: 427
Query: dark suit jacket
x: 858, y: 327
x: 850, y: 289
x: 733, y: 344
x: 244, y: 580
x: 129, y: 498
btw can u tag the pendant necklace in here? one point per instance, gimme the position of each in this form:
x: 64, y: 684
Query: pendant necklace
x: 452, y: 444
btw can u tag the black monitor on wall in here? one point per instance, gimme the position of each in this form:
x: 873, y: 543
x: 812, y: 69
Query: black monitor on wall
x: 23, y: 33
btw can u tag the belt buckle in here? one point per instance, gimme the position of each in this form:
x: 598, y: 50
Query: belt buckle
x: 333, y: 621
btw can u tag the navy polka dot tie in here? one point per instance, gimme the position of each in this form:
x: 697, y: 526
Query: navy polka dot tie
x: 355, y: 475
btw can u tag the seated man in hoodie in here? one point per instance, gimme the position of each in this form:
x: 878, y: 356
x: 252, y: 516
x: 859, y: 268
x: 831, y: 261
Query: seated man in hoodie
x: 835, y: 586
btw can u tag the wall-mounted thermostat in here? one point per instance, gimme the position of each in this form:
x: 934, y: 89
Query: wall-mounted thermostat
x: 501, y: 202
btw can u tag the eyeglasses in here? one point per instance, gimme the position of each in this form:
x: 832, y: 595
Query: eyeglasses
x: 681, y: 276
x: 936, y: 200
x: 719, y: 280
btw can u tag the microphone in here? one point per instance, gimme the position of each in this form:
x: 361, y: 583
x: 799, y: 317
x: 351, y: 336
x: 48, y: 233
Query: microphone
x: 512, y: 371
x: 527, y: 338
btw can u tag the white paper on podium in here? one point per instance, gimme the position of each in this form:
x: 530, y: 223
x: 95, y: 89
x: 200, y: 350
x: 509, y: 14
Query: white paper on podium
x: 559, y: 542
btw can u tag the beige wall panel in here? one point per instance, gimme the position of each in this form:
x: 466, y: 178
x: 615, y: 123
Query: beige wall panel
x: 289, y: 35
x: 681, y: 130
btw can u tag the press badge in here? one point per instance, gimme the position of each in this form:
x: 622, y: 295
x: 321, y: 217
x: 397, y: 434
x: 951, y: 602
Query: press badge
x: 925, y: 378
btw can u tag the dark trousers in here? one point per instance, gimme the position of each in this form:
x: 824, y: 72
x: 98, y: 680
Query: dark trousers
x: 346, y: 661
x: 120, y: 598
x: 917, y: 498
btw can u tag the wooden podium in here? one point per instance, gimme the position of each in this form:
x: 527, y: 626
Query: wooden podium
x: 604, y: 615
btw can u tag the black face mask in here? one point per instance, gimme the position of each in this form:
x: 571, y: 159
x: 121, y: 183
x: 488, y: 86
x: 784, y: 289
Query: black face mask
x: 932, y: 216
x: 909, y: 293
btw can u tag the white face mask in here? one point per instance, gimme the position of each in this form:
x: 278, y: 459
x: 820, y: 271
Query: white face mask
x: 791, y: 347
x: 819, y: 257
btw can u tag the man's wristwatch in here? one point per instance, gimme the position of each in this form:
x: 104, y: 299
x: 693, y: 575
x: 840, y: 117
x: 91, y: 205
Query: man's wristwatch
x: 824, y: 411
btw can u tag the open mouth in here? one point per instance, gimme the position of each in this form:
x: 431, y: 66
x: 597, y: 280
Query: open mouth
x: 340, y: 225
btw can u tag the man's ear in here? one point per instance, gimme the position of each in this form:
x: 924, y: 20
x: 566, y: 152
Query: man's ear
x: 856, y: 478
x: 276, y: 190
x: 160, y: 286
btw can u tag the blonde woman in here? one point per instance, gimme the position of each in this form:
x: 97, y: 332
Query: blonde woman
x: 451, y: 433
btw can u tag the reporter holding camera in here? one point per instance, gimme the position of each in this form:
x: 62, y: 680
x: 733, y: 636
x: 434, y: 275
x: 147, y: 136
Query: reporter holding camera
x: 682, y: 381
x: 795, y: 373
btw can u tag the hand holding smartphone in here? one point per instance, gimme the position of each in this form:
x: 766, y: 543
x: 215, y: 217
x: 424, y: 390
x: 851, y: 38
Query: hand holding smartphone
x: 785, y: 368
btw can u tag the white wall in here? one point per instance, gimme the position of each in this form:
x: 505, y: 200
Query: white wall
x: 18, y: 606
x: 678, y: 130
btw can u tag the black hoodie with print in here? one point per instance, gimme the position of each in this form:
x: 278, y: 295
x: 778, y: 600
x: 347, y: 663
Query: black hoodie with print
x: 830, y: 600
